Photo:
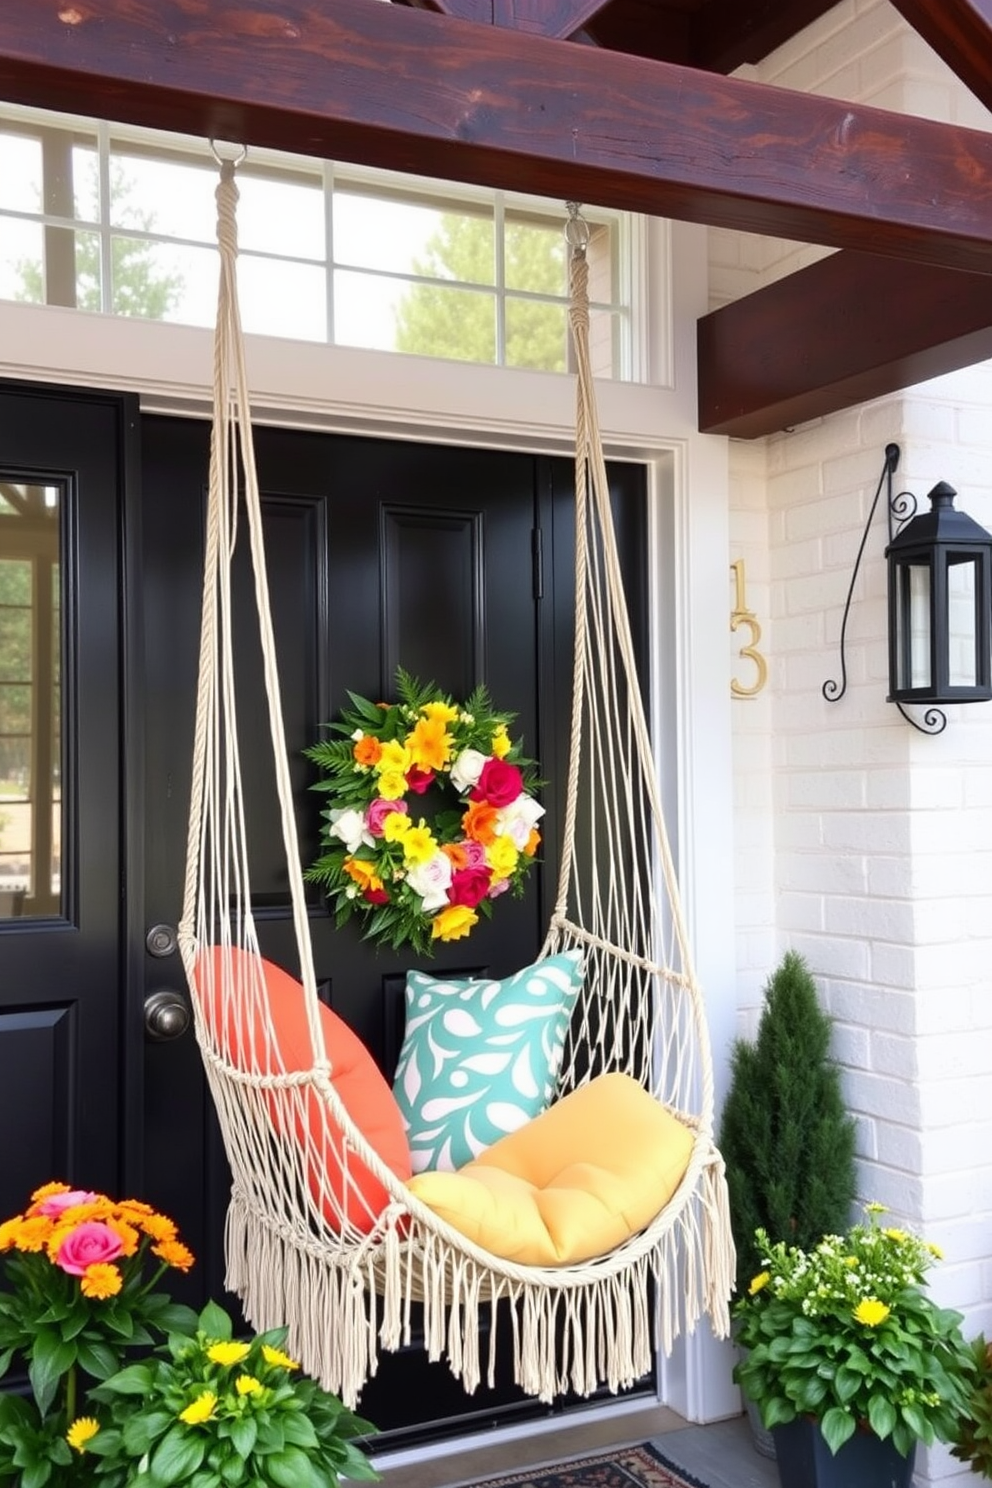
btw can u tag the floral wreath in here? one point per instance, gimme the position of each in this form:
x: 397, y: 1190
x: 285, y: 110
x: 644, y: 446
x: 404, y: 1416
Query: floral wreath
x: 416, y: 880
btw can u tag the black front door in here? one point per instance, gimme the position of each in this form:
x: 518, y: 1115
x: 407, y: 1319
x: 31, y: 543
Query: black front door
x: 63, y: 1016
x: 455, y: 564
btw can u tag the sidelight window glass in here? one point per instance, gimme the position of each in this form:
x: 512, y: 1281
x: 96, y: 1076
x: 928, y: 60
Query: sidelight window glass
x: 123, y: 222
x: 30, y: 700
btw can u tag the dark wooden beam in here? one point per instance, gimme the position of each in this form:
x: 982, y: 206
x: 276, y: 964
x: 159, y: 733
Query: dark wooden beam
x: 537, y: 17
x: 724, y: 34
x: 960, y: 31
x: 848, y: 328
x: 413, y: 91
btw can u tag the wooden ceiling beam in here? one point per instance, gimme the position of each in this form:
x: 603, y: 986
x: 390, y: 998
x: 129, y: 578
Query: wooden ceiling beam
x: 558, y: 18
x: 848, y: 328
x: 960, y: 31
x: 412, y: 91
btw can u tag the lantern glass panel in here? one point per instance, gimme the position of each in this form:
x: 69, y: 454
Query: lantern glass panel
x: 962, y: 633
x: 913, y: 659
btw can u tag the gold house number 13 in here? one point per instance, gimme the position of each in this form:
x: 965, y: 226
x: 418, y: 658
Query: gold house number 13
x: 741, y: 615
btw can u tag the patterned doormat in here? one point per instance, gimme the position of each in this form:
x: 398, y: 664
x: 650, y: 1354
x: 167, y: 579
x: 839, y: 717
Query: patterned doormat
x: 624, y: 1467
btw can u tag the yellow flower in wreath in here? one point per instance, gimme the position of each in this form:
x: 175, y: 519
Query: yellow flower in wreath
x: 502, y: 855
x: 419, y: 845
x: 429, y: 744
x: 454, y: 922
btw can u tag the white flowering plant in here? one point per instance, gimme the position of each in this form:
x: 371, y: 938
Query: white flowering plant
x: 847, y: 1333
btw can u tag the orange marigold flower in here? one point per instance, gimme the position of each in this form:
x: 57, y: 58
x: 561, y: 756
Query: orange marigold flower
x: 135, y: 1206
x: 48, y: 1191
x: 429, y: 744
x: 363, y: 873
x: 479, y: 822
x: 100, y: 1280
x: 367, y: 750
x: 34, y: 1234
x: 126, y: 1234
x: 174, y: 1254
x: 157, y: 1227
x: 456, y: 853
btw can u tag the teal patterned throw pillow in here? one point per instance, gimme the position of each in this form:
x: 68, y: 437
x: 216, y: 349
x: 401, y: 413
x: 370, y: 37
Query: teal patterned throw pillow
x: 480, y: 1058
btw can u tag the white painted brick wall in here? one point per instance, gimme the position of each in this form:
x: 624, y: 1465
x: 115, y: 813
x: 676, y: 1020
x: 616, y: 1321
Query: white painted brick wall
x: 876, y: 862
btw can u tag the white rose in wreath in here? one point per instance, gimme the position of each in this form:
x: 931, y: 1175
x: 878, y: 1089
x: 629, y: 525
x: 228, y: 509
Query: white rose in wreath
x: 519, y: 819
x: 350, y: 827
x: 467, y: 769
x: 431, y: 880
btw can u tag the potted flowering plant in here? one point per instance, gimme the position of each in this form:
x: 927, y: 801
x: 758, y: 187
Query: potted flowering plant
x: 849, y: 1360
x: 81, y: 1273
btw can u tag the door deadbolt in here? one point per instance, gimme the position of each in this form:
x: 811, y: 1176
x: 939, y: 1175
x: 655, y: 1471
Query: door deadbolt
x: 167, y: 1015
x: 161, y: 940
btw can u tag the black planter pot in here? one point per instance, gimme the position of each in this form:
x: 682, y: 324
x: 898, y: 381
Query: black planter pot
x: 865, y: 1461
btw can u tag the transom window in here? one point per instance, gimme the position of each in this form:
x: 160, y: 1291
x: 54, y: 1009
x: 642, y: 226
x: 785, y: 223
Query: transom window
x: 122, y: 222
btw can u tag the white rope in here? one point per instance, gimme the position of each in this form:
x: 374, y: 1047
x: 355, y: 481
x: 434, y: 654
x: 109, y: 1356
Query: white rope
x: 305, y: 1246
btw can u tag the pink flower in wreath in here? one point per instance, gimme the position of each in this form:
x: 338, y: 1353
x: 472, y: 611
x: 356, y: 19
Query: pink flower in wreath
x: 379, y: 810
x: 54, y: 1205
x: 499, y: 783
x: 89, y: 1244
x: 475, y: 853
x: 469, y: 886
x: 419, y: 780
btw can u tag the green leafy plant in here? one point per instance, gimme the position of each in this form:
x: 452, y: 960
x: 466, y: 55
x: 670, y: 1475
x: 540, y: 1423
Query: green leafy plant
x: 973, y: 1441
x: 847, y: 1333
x: 431, y: 814
x: 211, y: 1410
x: 785, y: 1135
x: 198, y: 1408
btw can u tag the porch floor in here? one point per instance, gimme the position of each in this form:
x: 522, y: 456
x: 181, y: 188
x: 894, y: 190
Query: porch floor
x: 721, y: 1455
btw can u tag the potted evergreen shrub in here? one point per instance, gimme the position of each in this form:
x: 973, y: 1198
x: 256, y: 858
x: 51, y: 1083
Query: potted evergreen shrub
x: 785, y: 1134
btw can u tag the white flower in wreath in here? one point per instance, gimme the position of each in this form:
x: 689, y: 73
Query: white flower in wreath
x: 518, y: 820
x: 467, y: 768
x: 431, y: 880
x: 350, y: 827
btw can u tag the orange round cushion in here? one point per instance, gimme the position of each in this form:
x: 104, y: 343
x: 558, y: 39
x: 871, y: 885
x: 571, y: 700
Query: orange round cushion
x: 360, y: 1085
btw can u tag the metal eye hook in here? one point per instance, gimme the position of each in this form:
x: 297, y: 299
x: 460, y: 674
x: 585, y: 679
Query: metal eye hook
x: 237, y: 159
x: 577, y: 231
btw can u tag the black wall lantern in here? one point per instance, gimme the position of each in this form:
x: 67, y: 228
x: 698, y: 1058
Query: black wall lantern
x: 940, y: 604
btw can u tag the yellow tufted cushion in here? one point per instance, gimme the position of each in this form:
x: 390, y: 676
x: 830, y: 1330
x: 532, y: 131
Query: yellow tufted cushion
x: 573, y: 1183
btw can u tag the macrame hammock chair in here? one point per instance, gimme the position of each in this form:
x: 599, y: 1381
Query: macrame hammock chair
x: 303, y: 1247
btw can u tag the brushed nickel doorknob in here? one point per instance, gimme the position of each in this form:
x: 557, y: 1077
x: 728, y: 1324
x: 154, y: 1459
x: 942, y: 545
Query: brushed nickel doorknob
x: 167, y: 1015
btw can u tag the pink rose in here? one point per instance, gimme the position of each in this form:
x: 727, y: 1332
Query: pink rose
x: 475, y: 853
x: 56, y: 1203
x: 379, y: 810
x: 499, y: 887
x: 89, y: 1244
x: 469, y: 886
x: 499, y: 783
x: 419, y: 780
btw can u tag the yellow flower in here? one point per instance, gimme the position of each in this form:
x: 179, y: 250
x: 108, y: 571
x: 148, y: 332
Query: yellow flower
x: 899, y: 1236
x: 363, y: 873
x: 247, y: 1384
x: 502, y: 855
x: 228, y: 1353
x: 395, y: 825
x: 430, y: 744
x: 874, y: 1207
x: 452, y: 922
x: 440, y: 712
x: 33, y: 1235
x: 392, y: 785
x: 156, y: 1226
x: 759, y: 1282
x: 82, y: 1430
x: 501, y: 745
x: 851, y: 1262
x: 48, y: 1191
x: 871, y: 1312
x: 278, y: 1358
x: 935, y: 1250
x: 200, y: 1410
x: 394, y: 759
x: 418, y: 845
x: 100, y: 1280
